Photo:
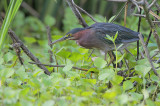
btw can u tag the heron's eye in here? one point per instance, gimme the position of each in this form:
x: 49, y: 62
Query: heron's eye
x: 69, y: 35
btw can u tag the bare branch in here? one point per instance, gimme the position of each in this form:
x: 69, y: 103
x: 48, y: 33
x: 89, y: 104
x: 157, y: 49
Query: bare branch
x: 152, y: 26
x: 136, y: 4
x: 49, y: 43
x: 158, y: 7
x: 119, y: 13
x: 154, y: 1
x: 85, y: 12
x: 30, y: 9
x: 118, y: 0
x: 139, y: 15
x: 147, y: 54
x: 59, y: 66
x: 28, y: 53
x: 76, y: 12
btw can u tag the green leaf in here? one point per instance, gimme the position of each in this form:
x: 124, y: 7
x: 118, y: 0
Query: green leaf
x: 155, y: 78
x: 7, y: 72
x: 127, y: 85
x: 49, y: 20
x: 110, y: 95
x: 8, y: 57
x: 87, y: 93
x: 123, y: 99
x: 68, y: 66
x: 1, y: 61
x: 111, y: 19
x: 120, y: 58
x: 109, y: 38
x: 136, y: 96
x: 63, y: 53
x: 145, y: 93
x: 93, y: 70
x: 142, y: 69
x: 21, y: 73
x: 119, y: 46
x: 30, y: 40
x: 11, y: 12
x: 106, y: 74
x: 100, y: 63
x: 150, y: 103
x: 117, y: 79
x: 115, y: 37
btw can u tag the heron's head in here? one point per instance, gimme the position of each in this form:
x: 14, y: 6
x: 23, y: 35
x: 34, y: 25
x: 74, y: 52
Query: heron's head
x: 69, y: 35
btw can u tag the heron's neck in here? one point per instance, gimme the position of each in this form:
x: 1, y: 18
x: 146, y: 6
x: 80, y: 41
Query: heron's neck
x: 82, y: 34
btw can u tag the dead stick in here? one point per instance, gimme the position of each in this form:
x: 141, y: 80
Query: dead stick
x: 76, y: 12
x: 59, y: 66
x: 157, y: 38
x: 85, y: 12
x: 147, y: 54
x: 49, y: 43
x: 139, y: 24
x: 28, y: 53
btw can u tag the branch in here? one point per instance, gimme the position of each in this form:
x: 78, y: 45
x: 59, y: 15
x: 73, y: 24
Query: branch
x: 158, y: 7
x: 60, y: 66
x: 147, y: 54
x: 28, y: 53
x: 76, y: 12
x: 154, y: 1
x: 30, y: 9
x: 152, y: 26
x: 85, y: 12
x: 118, y: 0
x: 139, y: 15
x: 49, y: 43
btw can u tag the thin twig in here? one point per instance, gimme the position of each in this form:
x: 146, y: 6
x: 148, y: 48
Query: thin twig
x: 136, y: 4
x: 138, y: 30
x: 60, y: 66
x: 85, y: 12
x: 90, y: 54
x: 147, y: 54
x: 125, y: 13
x: 30, y: 9
x: 125, y: 62
x: 155, y: 93
x: 76, y: 12
x: 147, y: 41
x: 154, y: 1
x: 28, y: 53
x: 158, y: 7
x: 157, y: 38
x: 139, y: 15
x: 49, y: 43
x: 118, y: 0
x: 157, y: 52
x: 119, y: 13
x: 156, y: 21
x: 128, y: 51
x: 17, y: 50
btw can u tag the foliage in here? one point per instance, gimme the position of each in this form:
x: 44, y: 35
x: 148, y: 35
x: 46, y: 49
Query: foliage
x: 11, y: 12
x: 100, y: 85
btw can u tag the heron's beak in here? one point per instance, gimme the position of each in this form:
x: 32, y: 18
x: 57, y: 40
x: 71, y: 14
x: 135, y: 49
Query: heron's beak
x: 61, y: 39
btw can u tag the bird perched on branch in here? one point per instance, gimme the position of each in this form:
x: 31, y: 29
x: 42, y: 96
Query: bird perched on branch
x: 94, y: 37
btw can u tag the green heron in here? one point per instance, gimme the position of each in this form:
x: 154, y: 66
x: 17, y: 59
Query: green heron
x: 94, y: 36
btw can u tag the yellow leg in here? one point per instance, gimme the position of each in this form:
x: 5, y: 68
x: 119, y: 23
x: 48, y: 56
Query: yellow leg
x: 111, y: 56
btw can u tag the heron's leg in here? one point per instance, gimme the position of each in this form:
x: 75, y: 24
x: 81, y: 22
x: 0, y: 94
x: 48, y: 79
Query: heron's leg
x: 105, y: 55
x: 128, y: 51
x: 125, y: 60
x: 112, y: 57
